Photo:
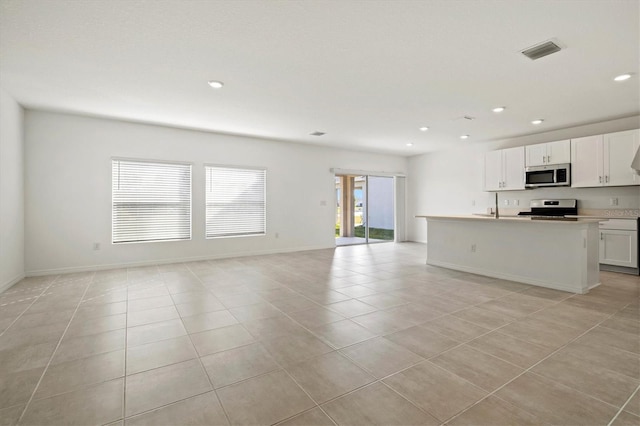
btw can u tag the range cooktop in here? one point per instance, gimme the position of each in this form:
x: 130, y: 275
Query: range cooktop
x: 552, y: 209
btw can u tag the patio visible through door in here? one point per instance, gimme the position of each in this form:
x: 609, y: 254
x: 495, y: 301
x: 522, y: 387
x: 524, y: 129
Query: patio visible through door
x: 364, y: 209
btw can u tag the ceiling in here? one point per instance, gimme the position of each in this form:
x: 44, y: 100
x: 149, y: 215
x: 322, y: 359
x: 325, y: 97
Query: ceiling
x: 368, y: 73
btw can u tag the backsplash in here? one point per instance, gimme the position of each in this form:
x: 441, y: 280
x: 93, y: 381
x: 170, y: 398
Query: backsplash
x: 610, y: 212
x: 611, y: 199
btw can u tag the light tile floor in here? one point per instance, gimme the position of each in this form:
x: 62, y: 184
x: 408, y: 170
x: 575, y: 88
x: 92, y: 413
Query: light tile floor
x: 358, y: 335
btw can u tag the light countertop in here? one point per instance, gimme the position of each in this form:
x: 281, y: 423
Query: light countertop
x: 513, y: 219
x: 604, y: 217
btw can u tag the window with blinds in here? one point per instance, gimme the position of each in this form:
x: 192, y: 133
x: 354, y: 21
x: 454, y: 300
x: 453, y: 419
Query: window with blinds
x: 236, y: 201
x: 151, y: 201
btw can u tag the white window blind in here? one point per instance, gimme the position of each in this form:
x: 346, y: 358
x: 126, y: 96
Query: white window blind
x: 150, y: 201
x: 236, y: 201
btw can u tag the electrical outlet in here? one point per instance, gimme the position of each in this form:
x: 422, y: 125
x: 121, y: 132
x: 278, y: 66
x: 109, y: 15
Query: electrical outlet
x: 473, y: 248
x: 277, y: 235
x: 96, y: 246
x: 473, y: 202
x: 516, y: 202
x: 613, y: 201
x: 506, y: 202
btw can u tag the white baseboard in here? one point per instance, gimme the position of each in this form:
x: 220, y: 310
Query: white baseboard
x: 91, y: 268
x: 6, y: 286
x: 509, y: 277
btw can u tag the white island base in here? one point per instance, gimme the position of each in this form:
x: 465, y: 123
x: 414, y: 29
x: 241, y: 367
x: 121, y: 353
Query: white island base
x: 563, y: 255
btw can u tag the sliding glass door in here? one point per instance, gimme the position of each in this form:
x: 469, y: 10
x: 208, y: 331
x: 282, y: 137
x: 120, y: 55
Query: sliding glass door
x: 380, y: 209
x: 364, y: 209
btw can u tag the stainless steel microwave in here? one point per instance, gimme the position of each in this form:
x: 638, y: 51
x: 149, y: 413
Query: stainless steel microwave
x: 550, y: 175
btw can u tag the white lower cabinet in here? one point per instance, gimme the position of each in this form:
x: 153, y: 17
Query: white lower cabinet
x: 619, y: 243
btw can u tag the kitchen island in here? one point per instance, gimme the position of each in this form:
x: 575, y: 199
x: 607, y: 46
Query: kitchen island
x: 558, y: 254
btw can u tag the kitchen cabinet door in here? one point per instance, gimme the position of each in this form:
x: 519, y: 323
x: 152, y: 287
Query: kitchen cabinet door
x: 536, y: 155
x: 513, y: 159
x: 587, y: 161
x: 619, y: 248
x: 619, y: 150
x: 559, y: 152
x: 493, y: 171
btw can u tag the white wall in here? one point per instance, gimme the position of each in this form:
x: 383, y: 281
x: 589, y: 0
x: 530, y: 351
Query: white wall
x: 11, y: 191
x: 450, y: 182
x: 68, y: 190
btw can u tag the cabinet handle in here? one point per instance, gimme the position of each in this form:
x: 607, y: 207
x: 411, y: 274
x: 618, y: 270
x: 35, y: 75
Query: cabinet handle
x: 600, y: 179
x: 606, y: 179
x: 601, y: 236
x: 548, y: 159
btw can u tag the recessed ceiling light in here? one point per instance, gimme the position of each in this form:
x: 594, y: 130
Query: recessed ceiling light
x: 622, y: 77
x: 424, y: 128
x: 498, y: 109
x: 216, y: 84
x: 464, y: 137
x: 409, y: 144
x: 538, y: 121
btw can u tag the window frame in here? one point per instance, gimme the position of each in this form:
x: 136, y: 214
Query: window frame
x: 237, y: 167
x: 152, y: 161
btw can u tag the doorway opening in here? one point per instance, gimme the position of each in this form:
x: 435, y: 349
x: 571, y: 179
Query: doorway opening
x: 364, y: 209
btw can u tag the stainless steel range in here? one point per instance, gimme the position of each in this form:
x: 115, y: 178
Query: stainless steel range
x: 552, y: 209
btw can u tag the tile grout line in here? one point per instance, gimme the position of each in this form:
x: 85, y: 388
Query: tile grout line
x: 306, y: 393
x: 536, y: 364
x: 30, y: 305
x: 126, y: 335
x: 447, y: 314
x: 494, y: 330
x: 56, y: 349
x: 295, y: 290
x: 213, y: 388
x: 624, y: 405
x: 382, y: 335
x: 557, y: 302
x: 279, y: 364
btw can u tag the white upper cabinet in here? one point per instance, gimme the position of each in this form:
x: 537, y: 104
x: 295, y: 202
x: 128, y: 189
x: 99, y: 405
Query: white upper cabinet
x: 604, y: 160
x: 543, y: 154
x: 536, y: 155
x: 559, y: 152
x: 504, y: 169
x: 586, y: 161
x: 513, y: 159
x: 619, y: 150
x: 493, y: 171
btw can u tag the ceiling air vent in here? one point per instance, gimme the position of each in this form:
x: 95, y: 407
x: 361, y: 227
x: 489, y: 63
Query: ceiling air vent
x: 541, y: 50
x: 317, y: 134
